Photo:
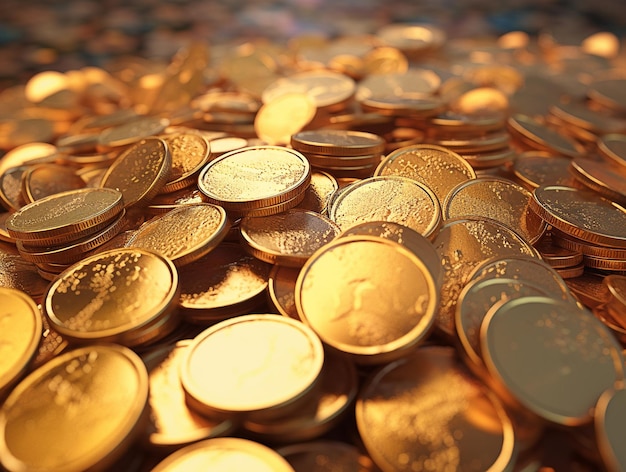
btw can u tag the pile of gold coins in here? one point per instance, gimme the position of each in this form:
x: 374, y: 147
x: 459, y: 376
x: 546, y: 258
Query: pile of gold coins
x: 391, y: 252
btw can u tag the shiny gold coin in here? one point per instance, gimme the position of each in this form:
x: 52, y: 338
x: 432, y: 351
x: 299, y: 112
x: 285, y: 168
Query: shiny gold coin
x: 27, y: 154
x: 172, y: 423
x: 569, y: 357
x: 226, y: 282
x: 65, y: 216
x: 269, y: 364
x: 574, y: 244
x: 491, y: 159
x: 434, y: 166
x: 225, y: 144
x: 493, y: 141
x: 613, y: 147
x: 455, y: 122
x: 47, y: 179
x: 537, y: 168
x: 605, y: 264
x: 475, y: 300
x: 321, y: 161
x: 284, y: 116
x: 132, y: 131
x: 581, y: 214
x: 101, y: 391
x: 414, y: 39
x: 255, y: 177
x: 339, y: 294
x: 608, y: 420
x: 183, y: 234
x: 425, y: 411
x: 464, y: 243
x: 16, y: 273
x: 21, y: 332
x: 140, y: 172
x: 385, y: 60
x: 498, y: 199
x: 481, y: 100
x: 579, y: 114
x: 288, y: 238
x: 601, y: 177
x: 190, y: 152
x: 609, y: 93
x: 338, y: 143
x: 388, y: 198
x: 558, y: 257
x: 543, y: 138
x: 281, y: 290
x: 11, y: 195
x: 589, y: 289
x: 224, y: 455
x: 323, y: 455
x: 334, y: 394
x: 415, y: 105
x: 122, y: 295
x: 319, y: 193
x: 413, y: 81
x: 328, y: 90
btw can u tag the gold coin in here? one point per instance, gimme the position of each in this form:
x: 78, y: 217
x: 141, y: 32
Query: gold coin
x: 413, y: 39
x: 101, y: 391
x: 536, y: 168
x: 224, y: 455
x: 16, y: 273
x: 21, y: 323
x: 543, y: 138
x: 601, y: 177
x: 26, y: 154
x: 316, y: 456
x: 11, y: 195
x: 334, y: 394
x: 493, y: 141
x: 190, y: 152
x: 425, y: 411
x: 569, y: 357
x: 288, y: 238
x: 284, y: 116
x: 329, y: 90
x: 455, y: 122
x: 65, y: 216
x: 413, y: 81
x: 609, y: 93
x: 613, y: 147
x: 408, y: 105
x: 281, y: 290
x: 388, y: 198
x: 269, y: 364
x: 616, y: 284
x: 340, y: 294
x: 254, y: 177
x: 557, y: 256
x: 574, y: 244
x: 226, y: 282
x: 589, y: 289
x: 475, y: 300
x: 337, y: 143
x: 321, y: 161
x: 462, y: 244
x: 122, y: 295
x: 319, y: 193
x: 490, y: 159
x: 140, y: 172
x: 385, y: 60
x: 498, y: 199
x: 578, y: 114
x: 47, y: 179
x: 434, y: 166
x: 132, y: 131
x: 581, y: 214
x: 609, y: 420
x: 183, y: 234
x: 172, y: 423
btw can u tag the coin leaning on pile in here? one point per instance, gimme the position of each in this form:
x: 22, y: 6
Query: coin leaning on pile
x: 411, y: 256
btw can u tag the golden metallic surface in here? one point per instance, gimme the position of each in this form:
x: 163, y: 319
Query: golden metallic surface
x: 19, y: 274
x: 425, y: 412
x: 226, y: 282
x: 617, y: 289
x: 589, y: 289
x: 541, y: 137
x: 492, y: 141
x: 338, y: 143
x: 281, y: 290
x: 407, y: 105
x: 288, y: 238
x: 588, y: 249
x: 224, y: 455
x: 414, y: 39
x: 225, y: 144
x: 536, y: 168
x: 328, y: 89
x: 20, y: 335
x: 319, y: 193
x: 385, y: 60
x: 609, y: 426
x: 190, y: 152
x: 82, y: 409
x: 557, y: 256
x: 581, y: 214
x: 334, y: 394
x: 602, y: 177
x: 115, y: 296
x: 413, y: 81
x: 551, y: 357
x: 11, y: 196
x: 340, y: 293
x: 140, y: 172
x: 321, y: 161
x: 326, y: 456
x: 434, y: 166
x: 388, y: 198
x: 573, y: 271
x: 65, y: 216
x: 254, y: 177
x: 463, y: 244
x: 609, y: 93
x: 455, y: 122
x: 475, y: 300
x: 498, y: 199
x: 579, y: 114
x: 277, y: 358
x: 26, y: 154
x: 613, y: 147
x: 183, y: 234
x: 283, y: 116
x: 47, y: 179
x: 132, y: 131
x: 490, y: 159
x: 172, y: 422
